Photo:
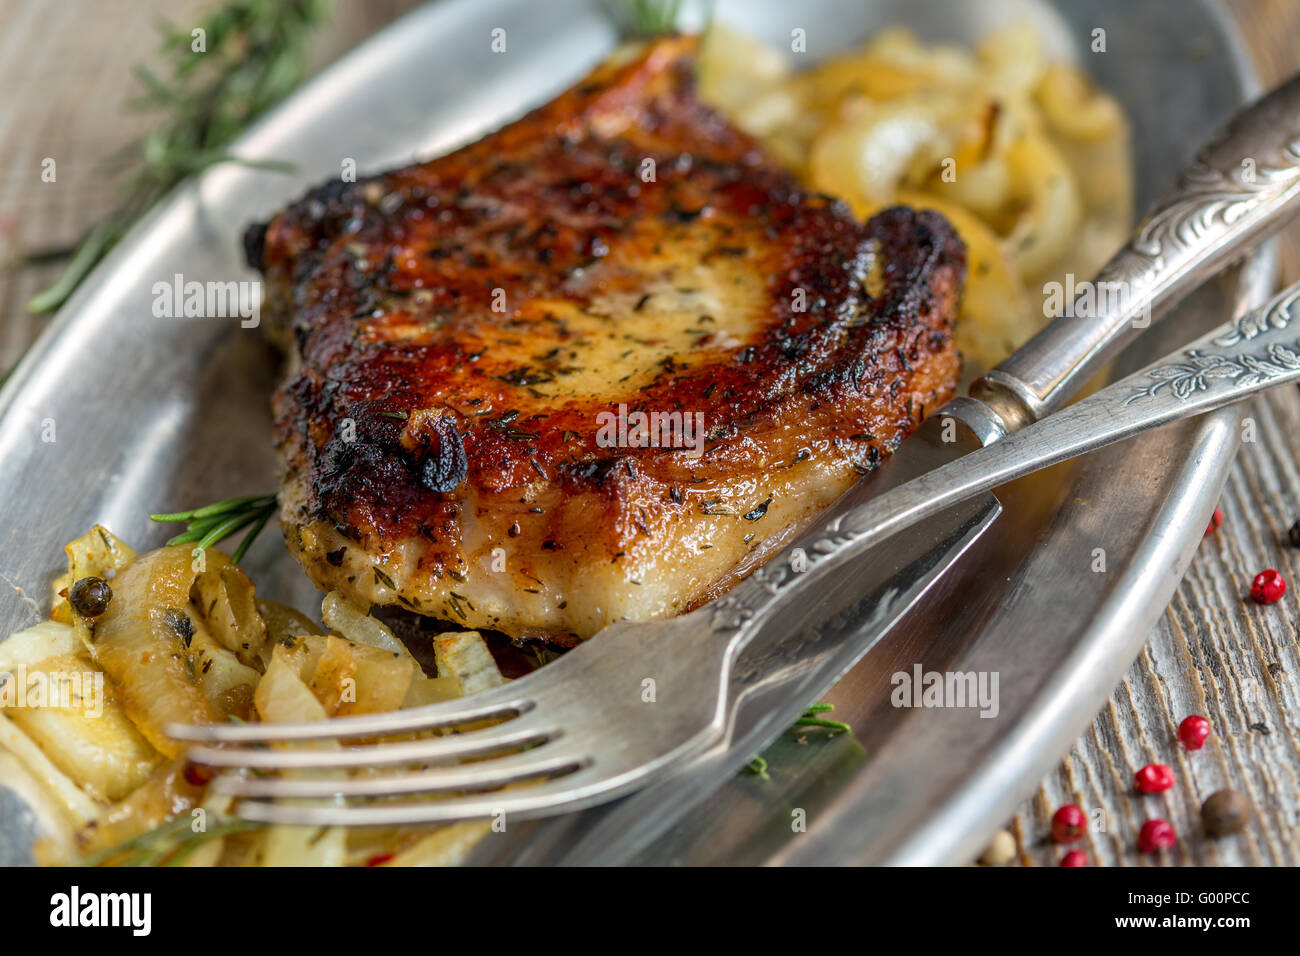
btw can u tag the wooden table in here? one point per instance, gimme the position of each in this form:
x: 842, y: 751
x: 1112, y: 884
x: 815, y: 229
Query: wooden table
x: 1215, y: 652
x: 65, y: 70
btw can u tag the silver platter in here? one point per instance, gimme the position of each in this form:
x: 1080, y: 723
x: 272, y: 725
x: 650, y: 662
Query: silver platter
x: 156, y: 414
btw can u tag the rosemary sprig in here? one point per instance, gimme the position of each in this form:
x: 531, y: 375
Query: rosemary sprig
x: 646, y: 19
x: 253, y: 56
x: 136, y: 844
x: 650, y: 18
x: 169, y: 843
x: 216, y: 522
x: 224, y: 828
x: 758, y: 766
x: 810, y: 719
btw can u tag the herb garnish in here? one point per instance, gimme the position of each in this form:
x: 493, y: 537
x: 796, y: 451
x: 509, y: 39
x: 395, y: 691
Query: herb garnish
x: 215, y: 522
x: 167, y: 844
x: 253, y: 56
x: 758, y: 766
x: 649, y: 18
x: 810, y: 719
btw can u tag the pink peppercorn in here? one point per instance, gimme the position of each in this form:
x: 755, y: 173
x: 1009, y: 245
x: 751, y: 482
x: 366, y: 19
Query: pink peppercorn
x: 1268, y: 587
x: 1154, y: 778
x: 1194, y: 731
x: 1156, y: 835
x: 1069, y: 823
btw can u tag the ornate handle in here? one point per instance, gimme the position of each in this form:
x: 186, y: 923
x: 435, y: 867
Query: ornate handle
x: 1241, y: 187
x: 1258, y: 351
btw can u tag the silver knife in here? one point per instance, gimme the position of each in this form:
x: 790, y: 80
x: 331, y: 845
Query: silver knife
x: 1242, y: 187
x: 1255, y: 352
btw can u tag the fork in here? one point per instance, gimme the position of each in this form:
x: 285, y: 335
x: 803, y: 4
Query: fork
x: 636, y: 698
x: 590, y: 725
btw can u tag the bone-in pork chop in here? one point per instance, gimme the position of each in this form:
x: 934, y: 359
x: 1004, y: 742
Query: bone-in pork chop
x: 583, y: 368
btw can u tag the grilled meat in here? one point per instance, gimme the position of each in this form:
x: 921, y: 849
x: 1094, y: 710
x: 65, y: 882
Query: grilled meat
x: 474, y: 340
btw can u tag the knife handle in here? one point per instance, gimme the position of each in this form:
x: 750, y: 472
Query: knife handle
x: 1255, y: 352
x: 1242, y: 186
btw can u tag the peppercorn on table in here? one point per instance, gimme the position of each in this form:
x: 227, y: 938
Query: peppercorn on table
x: 1216, y: 653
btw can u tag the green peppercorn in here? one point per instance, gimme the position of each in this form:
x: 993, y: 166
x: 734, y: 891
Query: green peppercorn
x: 89, y: 597
x: 1225, y: 812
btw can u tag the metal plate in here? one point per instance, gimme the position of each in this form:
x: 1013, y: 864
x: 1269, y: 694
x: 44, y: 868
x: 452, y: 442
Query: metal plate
x: 153, y: 414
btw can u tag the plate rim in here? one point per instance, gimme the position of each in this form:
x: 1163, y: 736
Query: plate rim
x: 921, y: 849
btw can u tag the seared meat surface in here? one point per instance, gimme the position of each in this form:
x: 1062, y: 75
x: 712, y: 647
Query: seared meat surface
x: 472, y: 338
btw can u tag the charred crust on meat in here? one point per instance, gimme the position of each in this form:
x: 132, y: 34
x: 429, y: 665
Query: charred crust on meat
x: 466, y: 421
x: 444, y: 465
x: 255, y: 244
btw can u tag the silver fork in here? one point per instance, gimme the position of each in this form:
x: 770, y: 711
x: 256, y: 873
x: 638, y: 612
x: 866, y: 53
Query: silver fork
x: 589, y: 726
x: 609, y: 714
x: 638, y: 696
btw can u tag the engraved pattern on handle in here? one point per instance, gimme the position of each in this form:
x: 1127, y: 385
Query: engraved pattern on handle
x: 1185, y: 379
x: 1203, y: 209
x: 743, y: 603
x: 1191, y: 381
x: 1201, y: 367
x: 1242, y: 186
x: 1277, y: 314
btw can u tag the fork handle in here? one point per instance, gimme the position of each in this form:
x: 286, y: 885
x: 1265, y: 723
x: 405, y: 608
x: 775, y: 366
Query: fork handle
x: 1257, y: 351
x: 1241, y: 187
x: 1220, y: 207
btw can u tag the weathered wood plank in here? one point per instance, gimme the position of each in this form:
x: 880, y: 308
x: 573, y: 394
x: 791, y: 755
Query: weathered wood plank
x: 1218, y: 654
x: 66, y: 69
x: 1215, y: 653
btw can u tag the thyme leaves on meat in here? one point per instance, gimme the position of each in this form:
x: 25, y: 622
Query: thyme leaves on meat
x: 209, y: 524
x: 248, y: 56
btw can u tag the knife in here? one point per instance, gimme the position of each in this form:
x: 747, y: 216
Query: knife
x: 1241, y: 188
x: 1255, y: 352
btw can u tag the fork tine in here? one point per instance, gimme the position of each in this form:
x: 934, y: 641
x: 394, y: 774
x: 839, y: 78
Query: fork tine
x: 468, y: 744
x: 550, y: 796
x: 489, y: 705
x: 513, y: 768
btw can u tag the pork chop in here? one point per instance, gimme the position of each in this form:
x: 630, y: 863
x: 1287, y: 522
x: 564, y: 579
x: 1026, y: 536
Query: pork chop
x: 586, y: 367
